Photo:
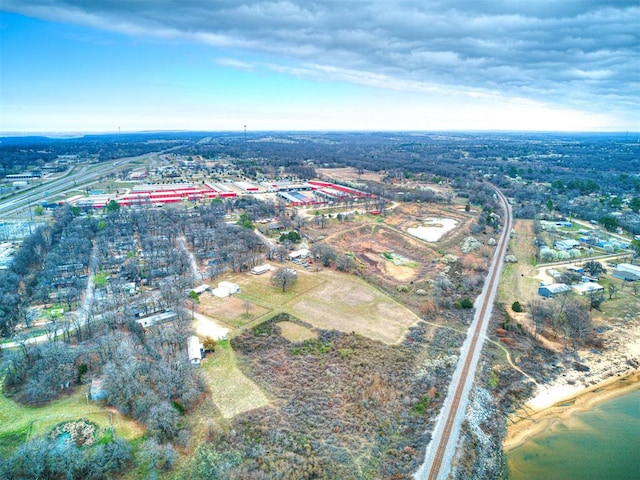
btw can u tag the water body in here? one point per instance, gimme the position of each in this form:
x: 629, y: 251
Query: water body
x: 599, y: 444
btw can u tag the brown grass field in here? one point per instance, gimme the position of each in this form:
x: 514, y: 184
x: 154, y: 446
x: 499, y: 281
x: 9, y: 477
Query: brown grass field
x: 230, y: 311
x: 348, y: 304
x: 325, y: 299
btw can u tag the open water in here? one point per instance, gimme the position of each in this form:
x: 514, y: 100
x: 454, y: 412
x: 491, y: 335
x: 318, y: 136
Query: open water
x: 599, y: 444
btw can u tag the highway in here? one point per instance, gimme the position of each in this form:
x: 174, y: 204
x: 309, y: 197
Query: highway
x: 441, y: 449
x: 68, y: 182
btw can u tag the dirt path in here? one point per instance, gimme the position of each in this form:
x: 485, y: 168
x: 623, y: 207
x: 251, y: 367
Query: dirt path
x: 207, y: 327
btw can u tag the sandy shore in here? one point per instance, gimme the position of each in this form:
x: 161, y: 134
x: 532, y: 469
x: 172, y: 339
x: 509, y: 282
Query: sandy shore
x: 530, y: 420
x: 609, y: 373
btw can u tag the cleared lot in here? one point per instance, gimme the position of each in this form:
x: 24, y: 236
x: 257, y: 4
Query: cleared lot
x: 325, y: 299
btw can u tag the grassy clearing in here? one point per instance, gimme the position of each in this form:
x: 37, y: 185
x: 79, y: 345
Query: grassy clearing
x: 18, y: 422
x: 259, y: 291
x: 231, y: 391
x: 624, y: 302
x: 296, y: 333
x: 518, y: 280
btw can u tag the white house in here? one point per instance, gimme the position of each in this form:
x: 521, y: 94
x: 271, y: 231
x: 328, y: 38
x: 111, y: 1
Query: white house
x: 587, y: 288
x: 302, y: 253
x: 232, y: 287
x: 260, y: 269
x: 220, y: 292
x: 195, y: 349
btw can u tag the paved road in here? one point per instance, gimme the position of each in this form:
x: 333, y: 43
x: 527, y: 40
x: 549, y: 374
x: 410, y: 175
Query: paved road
x: 441, y: 449
x: 69, y: 181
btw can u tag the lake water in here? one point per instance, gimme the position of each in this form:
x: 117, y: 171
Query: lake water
x: 599, y: 444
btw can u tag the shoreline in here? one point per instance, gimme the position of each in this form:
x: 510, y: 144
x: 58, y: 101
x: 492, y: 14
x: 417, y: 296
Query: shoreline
x: 528, y: 421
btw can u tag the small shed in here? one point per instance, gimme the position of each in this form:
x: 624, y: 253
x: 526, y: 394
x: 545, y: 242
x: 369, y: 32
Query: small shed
x: 195, y: 349
x: 575, y: 269
x: 552, y: 290
x: 553, y: 273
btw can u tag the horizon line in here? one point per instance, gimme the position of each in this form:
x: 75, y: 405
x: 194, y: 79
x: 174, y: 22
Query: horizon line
x: 79, y: 133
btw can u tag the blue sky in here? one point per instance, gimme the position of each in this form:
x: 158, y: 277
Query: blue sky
x: 291, y: 65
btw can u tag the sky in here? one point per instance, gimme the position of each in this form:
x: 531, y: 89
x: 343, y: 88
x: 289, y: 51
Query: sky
x: 139, y: 65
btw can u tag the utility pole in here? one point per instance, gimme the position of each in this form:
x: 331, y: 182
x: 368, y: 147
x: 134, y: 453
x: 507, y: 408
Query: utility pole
x: 245, y: 141
x: 30, y: 218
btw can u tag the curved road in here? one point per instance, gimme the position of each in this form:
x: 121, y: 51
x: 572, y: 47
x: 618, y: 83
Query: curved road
x: 441, y: 449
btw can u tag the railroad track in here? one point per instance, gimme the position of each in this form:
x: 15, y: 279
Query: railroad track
x: 437, y: 461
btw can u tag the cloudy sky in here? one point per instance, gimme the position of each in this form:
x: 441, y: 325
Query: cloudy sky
x: 89, y: 65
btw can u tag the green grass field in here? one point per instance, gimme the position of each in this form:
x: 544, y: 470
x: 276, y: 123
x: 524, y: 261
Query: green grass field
x: 231, y: 391
x: 19, y: 423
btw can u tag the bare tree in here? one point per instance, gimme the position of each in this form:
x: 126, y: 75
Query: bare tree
x: 247, y: 305
x: 596, y: 297
x: 344, y: 262
x: 324, y: 252
x: 284, y: 278
x: 281, y: 253
x: 577, y: 323
x: 538, y: 312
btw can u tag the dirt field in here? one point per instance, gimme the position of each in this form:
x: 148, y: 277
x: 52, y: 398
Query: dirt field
x: 372, y: 241
x: 369, y: 243
x: 230, y: 311
x: 348, y: 304
x: 412, y: 215
x: 348, y: 174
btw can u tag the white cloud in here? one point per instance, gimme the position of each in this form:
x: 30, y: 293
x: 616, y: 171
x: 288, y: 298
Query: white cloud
x: 577, y: 54
x: 238, y: 64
